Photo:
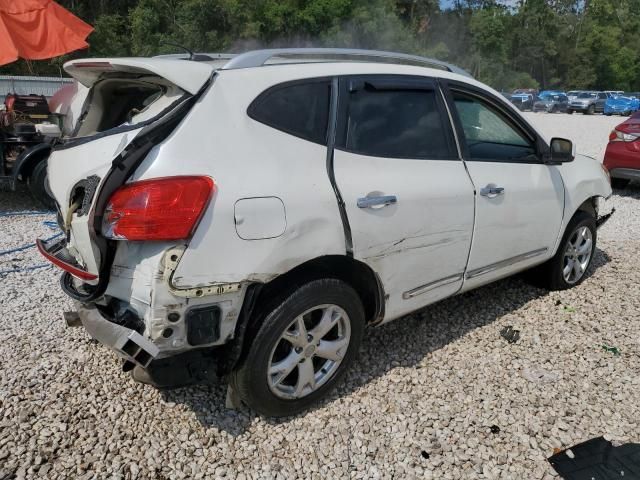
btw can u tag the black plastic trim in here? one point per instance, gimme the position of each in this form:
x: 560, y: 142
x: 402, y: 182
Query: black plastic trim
x: 331, y: 139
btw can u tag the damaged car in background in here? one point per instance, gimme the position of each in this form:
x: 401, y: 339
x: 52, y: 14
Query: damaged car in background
x: 551, y: 102
x: 249, y: 218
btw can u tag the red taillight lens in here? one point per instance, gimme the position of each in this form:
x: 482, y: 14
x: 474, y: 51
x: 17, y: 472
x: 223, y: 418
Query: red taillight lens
x: 158, y: 209
x: 620, y: 135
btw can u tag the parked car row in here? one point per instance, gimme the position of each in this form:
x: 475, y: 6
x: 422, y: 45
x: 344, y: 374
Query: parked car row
x: 587, y: 102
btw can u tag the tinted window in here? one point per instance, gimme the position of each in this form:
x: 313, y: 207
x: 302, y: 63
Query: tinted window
x: 301, y: 109
x: 489, y: 135
x: 397, y: 124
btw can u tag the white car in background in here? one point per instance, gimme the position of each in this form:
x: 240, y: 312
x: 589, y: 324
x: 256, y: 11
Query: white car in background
x: 256, y: 213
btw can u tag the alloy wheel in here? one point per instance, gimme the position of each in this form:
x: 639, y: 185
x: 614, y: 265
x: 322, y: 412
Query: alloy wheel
x: 577, y: 255
x: 309, y: 352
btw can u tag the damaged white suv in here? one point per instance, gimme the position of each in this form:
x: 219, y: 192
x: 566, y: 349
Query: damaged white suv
x: 249, y: 216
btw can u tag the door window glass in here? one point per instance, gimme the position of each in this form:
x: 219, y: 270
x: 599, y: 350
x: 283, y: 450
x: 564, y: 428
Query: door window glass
x: 489, y: 135
x: 401, y: 123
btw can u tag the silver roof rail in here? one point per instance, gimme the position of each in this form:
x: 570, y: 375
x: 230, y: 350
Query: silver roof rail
x: 199, y: 56
x: 258, y: 58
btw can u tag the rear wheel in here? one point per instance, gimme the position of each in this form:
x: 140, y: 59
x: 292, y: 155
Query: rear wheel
x: 569, y: 265
x: 569, y: 111
x: 619, y: 182
x: 591, y: 110
x: 302, y: 349
x: 37, y: 185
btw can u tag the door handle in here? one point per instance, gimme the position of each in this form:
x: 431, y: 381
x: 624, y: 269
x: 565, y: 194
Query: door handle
x: 491, y: 191
x: 381, y: 201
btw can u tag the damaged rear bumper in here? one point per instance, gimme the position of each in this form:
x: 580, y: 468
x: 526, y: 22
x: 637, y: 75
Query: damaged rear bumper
x: 126, y: 342
x: 142, y: 355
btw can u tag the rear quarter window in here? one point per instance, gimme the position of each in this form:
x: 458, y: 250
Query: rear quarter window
x: 300, y: 109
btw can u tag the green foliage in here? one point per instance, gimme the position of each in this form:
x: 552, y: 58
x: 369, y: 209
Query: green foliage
x: 528, y: 44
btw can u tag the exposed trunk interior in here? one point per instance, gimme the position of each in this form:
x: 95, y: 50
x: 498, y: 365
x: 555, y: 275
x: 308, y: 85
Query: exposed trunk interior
x: 118, y: 102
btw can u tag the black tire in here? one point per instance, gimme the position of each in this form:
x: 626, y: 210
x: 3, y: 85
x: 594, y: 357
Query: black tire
x: 250, y: 378
x: 591, y: 110
x: 37, y: 185
x: 549, y: 275
x: 569, y: 111
x: 620, y: 182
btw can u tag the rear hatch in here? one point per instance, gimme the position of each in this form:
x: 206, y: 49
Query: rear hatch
x: 133, y: 103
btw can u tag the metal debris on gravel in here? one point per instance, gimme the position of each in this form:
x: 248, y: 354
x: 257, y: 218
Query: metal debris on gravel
x: 421, y: 402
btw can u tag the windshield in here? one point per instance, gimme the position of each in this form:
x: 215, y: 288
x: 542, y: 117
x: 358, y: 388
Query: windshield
x: 587, y: 95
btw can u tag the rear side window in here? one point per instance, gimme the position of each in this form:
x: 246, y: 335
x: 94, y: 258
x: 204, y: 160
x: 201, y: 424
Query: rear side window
x: 300, y: 109
x: 401, y: 123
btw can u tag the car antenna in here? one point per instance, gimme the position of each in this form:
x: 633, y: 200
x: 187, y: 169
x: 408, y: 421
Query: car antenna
x: 192, y: 56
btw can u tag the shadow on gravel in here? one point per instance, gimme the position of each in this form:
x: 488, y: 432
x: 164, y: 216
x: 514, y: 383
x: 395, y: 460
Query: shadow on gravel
x: 402, y: 343
x: 630, y: 191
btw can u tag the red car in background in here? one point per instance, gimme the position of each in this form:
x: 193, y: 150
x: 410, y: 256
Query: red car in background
x: 622, y: 157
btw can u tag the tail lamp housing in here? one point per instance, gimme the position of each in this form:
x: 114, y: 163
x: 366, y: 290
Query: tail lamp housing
x: 157, y: 209
x: 621, y: 136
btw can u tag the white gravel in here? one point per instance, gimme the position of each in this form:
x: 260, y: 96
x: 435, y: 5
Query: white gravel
x: 432, y: 384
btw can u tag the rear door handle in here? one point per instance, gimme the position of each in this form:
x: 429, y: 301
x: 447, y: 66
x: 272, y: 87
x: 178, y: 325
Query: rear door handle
x: 491, y: 191
x: 381, y: 201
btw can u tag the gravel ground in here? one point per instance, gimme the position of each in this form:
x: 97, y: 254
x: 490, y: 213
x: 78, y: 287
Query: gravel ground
x: 420, y: 402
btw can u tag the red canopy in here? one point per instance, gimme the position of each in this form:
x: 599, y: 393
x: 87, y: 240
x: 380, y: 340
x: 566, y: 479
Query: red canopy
x: 39, y: 29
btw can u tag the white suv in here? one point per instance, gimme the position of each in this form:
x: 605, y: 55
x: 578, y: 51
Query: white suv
x: 249, y: 216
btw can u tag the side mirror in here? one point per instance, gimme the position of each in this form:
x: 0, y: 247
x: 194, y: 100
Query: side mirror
x: 562, y: 150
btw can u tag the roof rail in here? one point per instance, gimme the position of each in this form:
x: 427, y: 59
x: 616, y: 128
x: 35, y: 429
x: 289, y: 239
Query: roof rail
x: 258, y: 58
x: 198, y: 57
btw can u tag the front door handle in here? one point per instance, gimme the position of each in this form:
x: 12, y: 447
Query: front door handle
x: 380, y: 201
x: 491, y: 191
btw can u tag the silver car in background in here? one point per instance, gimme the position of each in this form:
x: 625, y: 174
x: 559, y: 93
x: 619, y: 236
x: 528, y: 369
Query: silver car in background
x: 588, y: 103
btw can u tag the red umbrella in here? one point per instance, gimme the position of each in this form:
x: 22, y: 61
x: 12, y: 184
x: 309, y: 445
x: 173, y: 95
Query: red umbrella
x: 39, y: 29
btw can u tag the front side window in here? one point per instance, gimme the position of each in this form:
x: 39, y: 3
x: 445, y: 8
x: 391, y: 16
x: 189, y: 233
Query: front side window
x: 489, y: 135
x: 301, y: 109
x: 402, y: 123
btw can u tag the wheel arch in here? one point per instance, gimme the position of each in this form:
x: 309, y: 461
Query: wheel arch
x: 262, y: 297
x: 29, y: 159
x: 357, y: 274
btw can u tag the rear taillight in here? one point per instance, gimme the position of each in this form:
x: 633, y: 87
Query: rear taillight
x: 167, y: 208
x: 618, y: 136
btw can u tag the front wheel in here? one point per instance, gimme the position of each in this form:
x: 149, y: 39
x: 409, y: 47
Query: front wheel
x: 569, y: 265
x: 569, y: 111
x: 37, y: 185
x: 302, y: 349
x: 591, y: 110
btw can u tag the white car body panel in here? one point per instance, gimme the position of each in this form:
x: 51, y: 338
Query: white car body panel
x: 419, y: 245
x: 276, y: 164
x: 524, y: 220
x: 584, y: 179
